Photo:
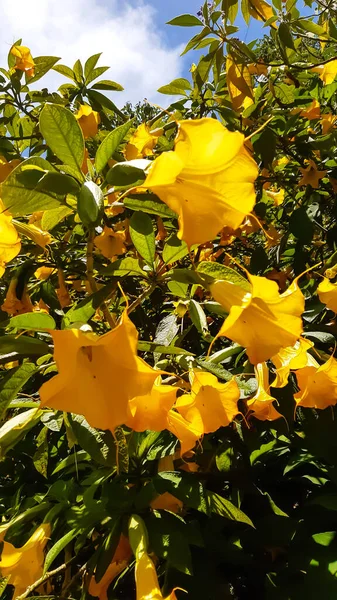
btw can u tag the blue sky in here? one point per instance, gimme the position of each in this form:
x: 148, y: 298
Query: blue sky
x: 142, y: 51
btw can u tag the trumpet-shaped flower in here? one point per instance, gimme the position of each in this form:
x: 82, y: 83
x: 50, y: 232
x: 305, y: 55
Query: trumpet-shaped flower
x: 318, y: 385
x: 262, y: 403
x: 142, y: 142
x: 208, y: 180
x: 119, y: 562
x: 311, y: 175
x: 111, y: 243
x: 260, y: 318
x: 328, y: 121
x: 16, y: 302
x: 291, y: 359
x: 23, y: 60
x: 327, y: 293
x: 147, y: 585
x: 327, y: 72
x: 210, y: 402
x: 98, y: 375
x: 313, y: 111
x: 24, y: 565
x: 10, y: 244
x: 88, y: 120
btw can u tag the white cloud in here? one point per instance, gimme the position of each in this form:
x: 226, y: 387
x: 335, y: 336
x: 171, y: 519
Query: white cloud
x: 126, y: 35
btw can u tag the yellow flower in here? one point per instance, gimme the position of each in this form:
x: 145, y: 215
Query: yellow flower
x: 327, y: 293
x: 274, y: 237
x: 111, y: 243
x: 311, y: 176
x: 260, y: 319
x: 239, y: 83
x: 313, y: 111
x: 16, y: 303
x: 290, y: 359
x: 318, y: 385
x: 10, y: 244
x: 151, y: 410
x: 119, y: 562
x: 142, y: 142
x: 147, y: 585
x: 44, y: 273
x: 7, y: 167
x: 327, y: 121
x: 98, y: 375
x: 62, y: 292
x: 262, y: 403
x: 39, y: 237
x: 208, y: 180
x: 281, y: 162
x: 277, y: 197
x: 211, y: 403
x: 88, y: 120
x: 259, y: 68
x: 24, y: 60
x: 24, y: 565
x: 327, y: 72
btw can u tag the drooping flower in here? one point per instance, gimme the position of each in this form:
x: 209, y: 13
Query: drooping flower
x: 290, y: 359
x: 111, y: 243
x: 88, y: 120
x: 276, y: 197
x: 119, y: 562
x: 24, y: 59
x: 147, y: 585
x: 208, y: 180
x: 44, y: 273
x: 260, y: 318
x: 210, y: 402
x: 17, y: 302
x: 239, y: 82
x: 327, y: 121
x: 311, y: 175
x: 318, y: 385
x: 62, y: 291
x: 327, y: 72
x: 142, y: 142
x: 24, y: 565
x: 262, y: 402
x: 327, y: 293
x: 10, y: 244
x: 313, y: 111
x: 98, y: 376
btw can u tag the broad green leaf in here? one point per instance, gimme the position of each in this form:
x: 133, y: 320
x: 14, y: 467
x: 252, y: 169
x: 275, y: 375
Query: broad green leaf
x: 97, y: 72
x: 174, y: 249
x: 196, y: 39
x: 23, y: 346
x: 178, y: 289
x: 143, y: 236
x: 63, y: 135
x: 107, y: 84
x: 66, y: 71
x: 41, y: 455
x: 78, y: 70
x: 33, y: 321
x: 217, y: 272
x: 215, y: 369
x: 54, y: 216
x: 99, y: 444
x: 124, y: 175
x: 285, y: 36
x: 160, y: 349
x: 185, y: 276
x: 176, y: 87
x: 57, y: 548
x: 124, y: 267
x: 21, y: 192
x: 110, y: 145
x: 43, y: 64
x: 310, y: 26
x: 12, y: 383
x: 186, y: 20
x: 84, y: 310
x: 90, y: 204
x: 16, y: 428
x: 100, y: 101
x: 198, y: 317
x: 90, y: 65
x: 149, y: 203
x: 224, y: 508
x: 168, y: 534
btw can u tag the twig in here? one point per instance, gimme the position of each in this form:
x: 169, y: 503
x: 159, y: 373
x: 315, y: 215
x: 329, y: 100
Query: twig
x: 142, y: 297
x: 42, y: 579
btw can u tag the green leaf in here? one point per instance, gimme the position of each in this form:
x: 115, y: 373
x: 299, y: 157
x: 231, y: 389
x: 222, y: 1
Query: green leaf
x: 40, y: 456
x: 215, y: 369
x: 97, y: 72
x: 215, y: 271
x: 143, y: 236
x: 54, y: 216
x: 106, y: 84
x: 169, y: 540
x: 16, y: 428
x: 78, y: 70
x: 124, y: 175
x: 33, y: 322
x: 12, y: 383
x: 160, y: 349
x: 63, y: 135
x: 310, y: 26
x: 301, y: 226
x: 21, y: 192
x: 23, y: 346
x: 185, y: 276
x: 110, y: 145
x: 176, y: 87
x: 224, y: 508
x: 149, y: 203
x: 198, y: 317
x: 99, y: 444
x: 84, y: 310
x: 57, y: 548
x: 90, y: 204
x: 66, y: 71
x: 178, y: 289
x: 100, y: 101
x: 43, y: 64
x: 174, y: 249
x: 186, y: 20
x: 90, y: 65
x: 124, y: 267
x: 285, y: 36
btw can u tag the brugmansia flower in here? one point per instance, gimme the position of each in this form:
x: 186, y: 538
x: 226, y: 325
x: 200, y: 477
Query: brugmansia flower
x: 98, y: 375
x: 327, y: 293
x: 313, y: 111
x: 327, y: 72
x: 327, y: 122
x: 10, y: 244
x: 142, y: 142
x: 119, y: 562
x: 88, y: 120
x: 290, y: 359
x: 311, y: 175
x: 110, y: 243
x: 210, y: 402
x: 24, y: 60
x: 318, y: 385
x: 260, y: 318
x: 16, y: 302
x: 24, y: 565
x: 147, y: 585
x: 239, y: 82
x: 277, y: 197
x: 262, y: 403
x: 208, y: 180
x: 62, y: 292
